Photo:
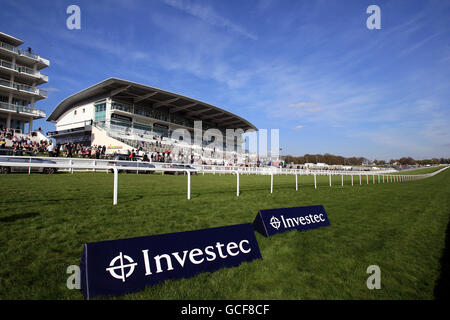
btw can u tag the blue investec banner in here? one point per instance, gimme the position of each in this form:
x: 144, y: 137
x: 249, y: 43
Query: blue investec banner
x: 272, y: 221
x: 122, y: 266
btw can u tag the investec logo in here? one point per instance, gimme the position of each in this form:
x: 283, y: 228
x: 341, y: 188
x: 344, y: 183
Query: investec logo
x: 123, y: 266
x: 296, y: 221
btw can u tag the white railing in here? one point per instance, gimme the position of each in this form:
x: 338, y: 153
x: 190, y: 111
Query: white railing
x: 115, y: 170
x: 23, y: 87
x: 24, y: 109
x: 23, y: 69
x: 115, y: 166
x: 23, y: 52
x: 101, y: 164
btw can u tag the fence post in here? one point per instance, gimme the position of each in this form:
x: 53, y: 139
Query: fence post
x: 237, y: 189
x: 116, y: 178
x: 271, y: 182
x: 189, y: 185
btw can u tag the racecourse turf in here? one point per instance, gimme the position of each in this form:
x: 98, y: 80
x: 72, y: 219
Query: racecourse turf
x: 46, y: 219
x: 420, y: 171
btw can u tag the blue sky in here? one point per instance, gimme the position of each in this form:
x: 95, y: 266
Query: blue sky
x: 311, y: 69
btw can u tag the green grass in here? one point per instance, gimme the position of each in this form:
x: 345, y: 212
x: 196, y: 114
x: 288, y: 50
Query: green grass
x: 46, y: 219
x: 421, y: 170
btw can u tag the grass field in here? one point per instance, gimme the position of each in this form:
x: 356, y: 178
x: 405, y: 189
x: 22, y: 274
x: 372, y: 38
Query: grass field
x: 421, y: 170
x: 46, y: 219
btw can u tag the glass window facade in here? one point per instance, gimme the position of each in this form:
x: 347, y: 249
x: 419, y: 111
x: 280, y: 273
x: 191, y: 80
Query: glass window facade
x: 100, y: 112
x: 156, y: 114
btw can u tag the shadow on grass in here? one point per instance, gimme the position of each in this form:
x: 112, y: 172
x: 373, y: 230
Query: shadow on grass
x: 442, y: 288
x: 20, y: 216
x: 41, y: 200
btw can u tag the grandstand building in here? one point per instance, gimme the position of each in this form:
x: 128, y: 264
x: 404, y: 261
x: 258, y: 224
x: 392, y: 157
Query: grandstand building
x: 20, y: 76
x: 124, y: 115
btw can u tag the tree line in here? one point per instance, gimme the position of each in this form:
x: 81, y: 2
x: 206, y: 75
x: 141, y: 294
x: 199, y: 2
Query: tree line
x: 331, y: 159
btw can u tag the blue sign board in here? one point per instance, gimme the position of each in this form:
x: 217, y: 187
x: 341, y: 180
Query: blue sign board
x: 122, y: 266
x: 273, y: 221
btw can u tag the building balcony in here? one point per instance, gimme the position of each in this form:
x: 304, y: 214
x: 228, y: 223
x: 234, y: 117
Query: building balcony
x: 25, y: 54
x: 36, y: 113
x: 23, y: 88
x: 23, y: 72
x: 6, y: 46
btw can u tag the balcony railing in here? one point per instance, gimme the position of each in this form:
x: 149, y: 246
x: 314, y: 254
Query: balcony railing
x: 43, y: 93
x: 24, y: 87
x: 22, y: 109
x: 8, y: 47
x: 23, y: 52
x: 23, y: 69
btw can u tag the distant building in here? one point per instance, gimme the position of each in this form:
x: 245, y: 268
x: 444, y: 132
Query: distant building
x: 316, y: 165
x: 20, y: 77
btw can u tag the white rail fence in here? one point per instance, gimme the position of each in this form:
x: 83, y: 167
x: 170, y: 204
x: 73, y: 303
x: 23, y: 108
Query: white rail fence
x: 86, y: 165
x: 103, y: 164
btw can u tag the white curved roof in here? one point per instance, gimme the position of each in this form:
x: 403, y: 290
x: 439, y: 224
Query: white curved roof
x: 149, y: 97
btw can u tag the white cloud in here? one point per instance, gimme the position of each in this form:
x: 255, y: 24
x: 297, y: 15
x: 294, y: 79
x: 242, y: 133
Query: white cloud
x: 313, y: 110
x: 303, y: 104
x: 208, y: 15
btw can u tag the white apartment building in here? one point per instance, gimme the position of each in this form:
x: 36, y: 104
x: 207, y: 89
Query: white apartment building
x: 20, y: 76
